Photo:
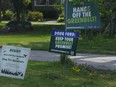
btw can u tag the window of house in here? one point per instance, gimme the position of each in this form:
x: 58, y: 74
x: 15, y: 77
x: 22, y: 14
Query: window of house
x: 45, y: 2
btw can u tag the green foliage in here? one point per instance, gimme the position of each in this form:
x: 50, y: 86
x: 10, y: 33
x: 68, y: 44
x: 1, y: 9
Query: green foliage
x: 17, y: 26
x: 27, y: 1
x: 21, y: 8
x: 8, y: 15
x: 1, y: 25
x: 5, y: 5
x: 61, y: 17
x: 35, y: 16
x: 58, y: 5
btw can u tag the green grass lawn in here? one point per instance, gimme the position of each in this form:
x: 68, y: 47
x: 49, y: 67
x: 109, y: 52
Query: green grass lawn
x: 98, y: 45
x: 39, y: 39
x: 2, y: 24
x: 53, y: 74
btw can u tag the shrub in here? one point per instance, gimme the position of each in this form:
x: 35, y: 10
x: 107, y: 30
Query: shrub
x: 8, y: 15
x: 17, y: 26
x: 61, y: 17
x: 35, y: 16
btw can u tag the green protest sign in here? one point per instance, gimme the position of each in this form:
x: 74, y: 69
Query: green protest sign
x: 63, y: 42
x: 85, y: 16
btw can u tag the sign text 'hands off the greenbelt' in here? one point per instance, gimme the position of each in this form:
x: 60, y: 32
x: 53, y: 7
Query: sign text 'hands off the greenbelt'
x: 86, y: 16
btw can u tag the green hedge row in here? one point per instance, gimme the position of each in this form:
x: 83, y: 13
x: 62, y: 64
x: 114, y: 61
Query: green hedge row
x: 35, y: 16
x: 32, y: 16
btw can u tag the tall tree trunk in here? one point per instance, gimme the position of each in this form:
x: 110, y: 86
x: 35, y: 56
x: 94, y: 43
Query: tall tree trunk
x: 112, y: 26
x: 18, y: 10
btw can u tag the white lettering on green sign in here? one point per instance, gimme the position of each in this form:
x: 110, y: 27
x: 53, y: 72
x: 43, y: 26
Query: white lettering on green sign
x: 63, y: 46
x: 59, y: 33
x: 64, y: 42
x: 82, y: 20
x: 81, y: 9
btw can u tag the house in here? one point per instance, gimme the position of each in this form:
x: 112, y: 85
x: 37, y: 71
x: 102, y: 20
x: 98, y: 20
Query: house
x: 47, y: 7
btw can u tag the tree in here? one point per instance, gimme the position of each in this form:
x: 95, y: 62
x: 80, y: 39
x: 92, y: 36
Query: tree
x: 108, y: 10
x: 20, y: 7
x: 20, y: 24
x: 5, y: 5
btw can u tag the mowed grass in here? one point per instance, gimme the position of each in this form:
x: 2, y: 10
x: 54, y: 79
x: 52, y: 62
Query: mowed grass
x: 53, y: 74
x: 39, y: 39
x: 2, y: 24
x: 34, y: 42
x: 100, y: 45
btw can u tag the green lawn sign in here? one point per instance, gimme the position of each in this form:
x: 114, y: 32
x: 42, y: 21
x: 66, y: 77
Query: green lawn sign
x: 85, y: 16
x: 64, y: 42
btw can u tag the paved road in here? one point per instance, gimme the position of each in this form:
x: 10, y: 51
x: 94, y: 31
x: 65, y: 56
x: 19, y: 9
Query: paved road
x: 106, y: 62
x: 44, y: 56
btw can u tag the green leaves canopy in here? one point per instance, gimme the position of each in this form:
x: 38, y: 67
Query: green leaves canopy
x: 20, y: 6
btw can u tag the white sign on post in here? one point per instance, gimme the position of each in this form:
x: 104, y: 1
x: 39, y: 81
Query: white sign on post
x: 14, y: 61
